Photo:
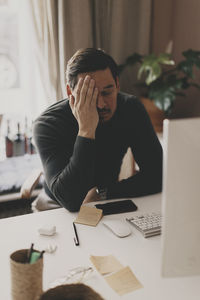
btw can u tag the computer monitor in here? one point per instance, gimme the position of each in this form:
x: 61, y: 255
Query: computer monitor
x: 181, y: 198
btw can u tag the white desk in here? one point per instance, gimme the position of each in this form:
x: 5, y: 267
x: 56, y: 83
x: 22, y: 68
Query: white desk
x: 142, y: 255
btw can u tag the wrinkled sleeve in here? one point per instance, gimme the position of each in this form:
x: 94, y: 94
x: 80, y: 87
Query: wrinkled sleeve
x: 68, y: 167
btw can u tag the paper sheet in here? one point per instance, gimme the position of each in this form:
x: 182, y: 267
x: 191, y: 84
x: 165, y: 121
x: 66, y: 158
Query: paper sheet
x: 123, y: 281
x: 89, y: 216
x: 106, y: 264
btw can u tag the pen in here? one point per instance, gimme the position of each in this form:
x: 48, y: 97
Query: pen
x: 30, y: 253
x: 76, y: 240
x: 41, y: 253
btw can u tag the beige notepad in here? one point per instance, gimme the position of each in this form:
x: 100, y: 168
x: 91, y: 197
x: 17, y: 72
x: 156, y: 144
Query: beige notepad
x: 123, y: 281
x: 89, y: 216
x: 106, y: 264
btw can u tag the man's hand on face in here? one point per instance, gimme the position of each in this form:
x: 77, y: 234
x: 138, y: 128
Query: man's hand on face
x: 84, y: 107
x: 91, y: 196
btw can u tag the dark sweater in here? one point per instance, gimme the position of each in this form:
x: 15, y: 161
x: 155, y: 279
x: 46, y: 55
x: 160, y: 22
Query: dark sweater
x: 73, y: 164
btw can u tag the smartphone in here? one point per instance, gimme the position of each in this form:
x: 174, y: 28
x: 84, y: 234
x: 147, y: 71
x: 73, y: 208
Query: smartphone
x: 117, y: 207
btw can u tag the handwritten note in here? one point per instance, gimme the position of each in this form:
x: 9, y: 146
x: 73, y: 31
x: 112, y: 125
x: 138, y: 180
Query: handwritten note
x: 106, y: 264
x: 123, y: 281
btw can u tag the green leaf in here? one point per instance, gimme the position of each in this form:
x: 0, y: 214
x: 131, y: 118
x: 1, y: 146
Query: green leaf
x: 192, y: 58
x: 163, y: 93
x: 186, y: 67
x: 151, y: 65
x: 152, y: 72
x: 173, y: 81
x: 192, y: 55
x: 163, y: 84
x: 165, y: 58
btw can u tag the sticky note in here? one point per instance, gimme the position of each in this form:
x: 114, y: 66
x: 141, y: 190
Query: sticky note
x: 89, y: 216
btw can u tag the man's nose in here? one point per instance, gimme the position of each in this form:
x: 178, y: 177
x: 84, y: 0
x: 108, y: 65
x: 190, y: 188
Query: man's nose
x: 100, y: 102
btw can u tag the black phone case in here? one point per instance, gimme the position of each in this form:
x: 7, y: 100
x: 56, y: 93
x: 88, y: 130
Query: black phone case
x: 117, y: 207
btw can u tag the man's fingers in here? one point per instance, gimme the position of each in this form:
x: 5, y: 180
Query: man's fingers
x: 84, y: 89
x: 78, y: 89
x: 94, y: 97
x: 90, y: 91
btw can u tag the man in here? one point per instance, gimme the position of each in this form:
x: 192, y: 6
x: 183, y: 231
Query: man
x: 75, y: 291
x: 82, y: 141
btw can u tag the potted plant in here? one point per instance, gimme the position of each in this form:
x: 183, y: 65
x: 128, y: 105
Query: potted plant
x: 163, y: 80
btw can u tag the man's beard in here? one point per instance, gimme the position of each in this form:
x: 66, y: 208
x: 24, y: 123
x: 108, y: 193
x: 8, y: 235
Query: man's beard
x: 103, y: 112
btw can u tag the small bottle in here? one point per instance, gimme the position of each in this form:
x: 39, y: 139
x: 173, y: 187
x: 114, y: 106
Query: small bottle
x: 26, y: 137
x: 8, y: 141
x: 32, y: 147
x: 18, y: 143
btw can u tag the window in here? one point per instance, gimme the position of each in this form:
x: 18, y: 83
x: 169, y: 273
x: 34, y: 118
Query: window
x: 10, y: 85
x: 21, y: 95
x: 18, y: 73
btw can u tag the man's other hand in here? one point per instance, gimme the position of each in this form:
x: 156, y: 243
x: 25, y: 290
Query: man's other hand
x: 91, y: 196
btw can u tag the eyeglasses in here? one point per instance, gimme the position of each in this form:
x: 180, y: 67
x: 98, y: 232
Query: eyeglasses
x: 76, y: 275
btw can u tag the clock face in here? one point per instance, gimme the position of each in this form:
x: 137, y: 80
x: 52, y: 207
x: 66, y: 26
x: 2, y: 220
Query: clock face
x: 8, y: 73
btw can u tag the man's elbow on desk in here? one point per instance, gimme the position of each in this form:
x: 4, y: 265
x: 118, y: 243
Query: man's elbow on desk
x: 69, y: 202
x: 71, y: 205
x: 72, y: 208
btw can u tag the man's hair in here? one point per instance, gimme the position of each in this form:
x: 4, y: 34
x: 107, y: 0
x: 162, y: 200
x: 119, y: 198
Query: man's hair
x: 89, y: 60
x: 77, y: 291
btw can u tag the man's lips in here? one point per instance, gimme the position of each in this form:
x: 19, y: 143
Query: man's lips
x: 102, y: 115
x: 103, y: 112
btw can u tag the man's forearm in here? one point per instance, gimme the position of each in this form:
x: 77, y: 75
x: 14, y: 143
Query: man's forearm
x: 137, y: 185
x: 70, y: 184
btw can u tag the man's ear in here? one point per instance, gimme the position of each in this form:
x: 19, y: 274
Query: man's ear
x: 69, y: 92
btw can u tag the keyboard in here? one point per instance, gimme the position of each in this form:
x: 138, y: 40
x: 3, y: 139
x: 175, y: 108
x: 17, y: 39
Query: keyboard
x: 147, y: 224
